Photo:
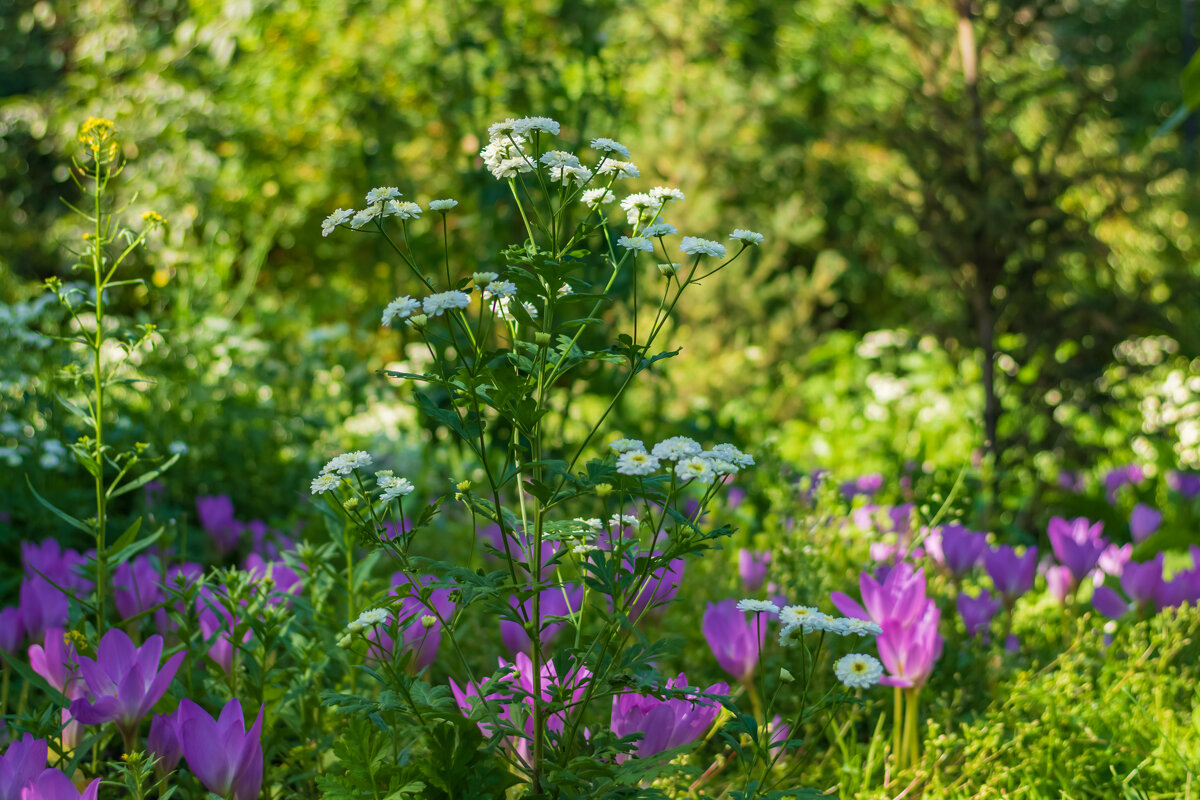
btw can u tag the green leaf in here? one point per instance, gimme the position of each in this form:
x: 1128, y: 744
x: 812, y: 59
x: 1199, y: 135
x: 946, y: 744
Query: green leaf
x: 64, y: 516
x: 125, y: 538
x: 1176, y: 119
x: 142, y: 480
x: 133, y: 548
x: 1189, y: 82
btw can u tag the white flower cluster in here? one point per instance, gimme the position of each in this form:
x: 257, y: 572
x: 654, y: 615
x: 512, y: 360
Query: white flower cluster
x: 636, y: 243
x: 339, y: 217
x: 695, y: 246
x: 692, y: 462
x: 382, y: 202
x: 799, y: 620
x: 594, y: 197
x: 437, y: 304
x: 858, y: 671
x: 392, y: 486
x: 640, y: 206
x: 565, y: 167
x: 331, y: 473
x: 368, y: 619
x: 403, y: 210
x: 497, y: 289
x: 400, y: 308
x: 505, y: 157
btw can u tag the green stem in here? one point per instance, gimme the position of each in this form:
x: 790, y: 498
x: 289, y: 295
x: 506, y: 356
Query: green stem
x: 98, y: 419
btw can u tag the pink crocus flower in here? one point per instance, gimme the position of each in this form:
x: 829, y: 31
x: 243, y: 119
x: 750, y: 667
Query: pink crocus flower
x: 665, y: 724
x: 53, y: 785
x: 221, y: 753
x: 734, y: 640
x: 908, y: 652
x: 22, y: 762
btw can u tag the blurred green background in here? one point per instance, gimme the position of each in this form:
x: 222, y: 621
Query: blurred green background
x: 988, y: 265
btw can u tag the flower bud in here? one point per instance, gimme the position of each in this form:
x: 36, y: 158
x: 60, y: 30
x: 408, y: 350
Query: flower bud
x: 417, y: 321
x: 428, y: 621
x: 463, y: 486
x: 667, y: 270
x: 786, y: 676
x: 541, y: 339
x: 603, y: 489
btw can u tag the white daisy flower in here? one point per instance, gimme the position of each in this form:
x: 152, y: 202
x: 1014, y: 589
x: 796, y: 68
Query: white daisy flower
x: 603, y: 145
x: 659, y: 229
x: 579, y: 175
x: 594, y: 197
x: 639, y: 205
x: 858, y: 671
x: 527, y: 125
x: 400, y: 308
x: 437, y: 304
x: 626, y: 445
x: 404, y: 210
x: 442, y: 205
x: 758, y: 606
x: 805, y: 617
x: 371, y: 617
x: 749, y: 237
x: 324, y: 482
x: 559, y: 158
x: 622, y: 520
x: 339, y: 217
x: 511, y: 167
x: 381, y: 193
x: 636, y: 243
x: 675, y: 448
x: 361, y: 218
x: 664, y: 193
x: 693, y: 245
x: 497, y: 289
x: 860, y: 627
x: 482, y: 279
x: 622, y: 169
x: 728, y: 452
x: 695, y: 468
x: 394, y: 487
x: 637, y: 462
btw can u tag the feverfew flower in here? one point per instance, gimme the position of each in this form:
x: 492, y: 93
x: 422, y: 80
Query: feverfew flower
x: 370, y: 618
x: 527, y: 125
x: 559, y: 158
x: 361, y: 218
x: 637, y: 462
x: 580, y: 175
x: 499, y: 130
x: 594, y: 197
x: 636, y: 243
x: 858, y: 671
x: 393, y: 487
x: 339, y: 217
x: 659, y: 229
x: 400, y: 308
x: 749, y: 237
x: 442, y: 205
x: 403, y: 210
x: 603, y: 145
x: 675, y: 448
x: 347, y: 463
x: 622, y: 169
x: 693, y: 246
x: 639, y: 204
x: 482, y: 279
x: 626, y: 445
x: 500, y: 289
x: 324, y: 482
x: 381, y: 193
x: 807, y: 617
x: 695, y: 468
x: 758, y: 606
x: 664, y: 193
x: 860, y: 627
x: 437, y: 304
x: 728, y: 452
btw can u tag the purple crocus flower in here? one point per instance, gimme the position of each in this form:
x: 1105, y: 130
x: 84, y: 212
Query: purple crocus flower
x: 124, y: 681
x: 1058, y: 582
x: 665, y: 723
x: 164, y: 742
x: 1113, y: 559
x: 1144, y: 522
x: 56, y: 662
x: 42, y: 607
x: 53, y: 785
x: 659, y: 589
x: 1143, y: 582
x: 556, y: 601
x: 976, y: 612
x: 285, y: 579
x: 217, y: 520
x: 867, y: 485
x: 1125, y: 475
x: 12, y: 629
x: 1071, y: 481
x: 956, y: 548
x: 22, y: 762
x: 1012, y: 575
x: 64, y: 567
x: 908, y: 652
x: 221, y: 753
x: 416, y: 637
x: 900, y: 596
x: 1109, y: 603
x: 734, y: 640
x: 735, y: 497
x: 1077, y: 544
x: 752, y: 568
x: 1186, y: 484
x: 137, y: 587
